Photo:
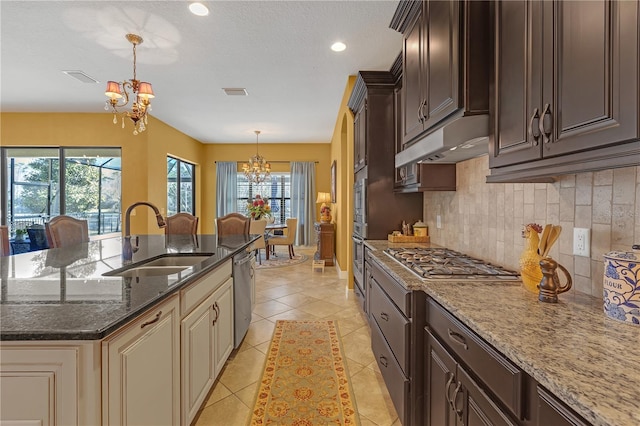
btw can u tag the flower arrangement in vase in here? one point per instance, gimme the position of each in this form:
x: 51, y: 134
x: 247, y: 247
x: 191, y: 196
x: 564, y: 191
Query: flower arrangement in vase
x: 259, y: 208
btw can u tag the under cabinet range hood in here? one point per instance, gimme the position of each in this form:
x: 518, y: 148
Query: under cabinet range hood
x: 457, y: 139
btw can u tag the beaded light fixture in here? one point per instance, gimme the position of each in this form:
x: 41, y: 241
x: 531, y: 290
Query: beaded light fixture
x: 141, y: 93
x: 257, y: 170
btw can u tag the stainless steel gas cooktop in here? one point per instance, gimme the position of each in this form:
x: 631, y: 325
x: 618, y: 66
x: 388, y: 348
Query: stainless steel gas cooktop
x: 442, y: 263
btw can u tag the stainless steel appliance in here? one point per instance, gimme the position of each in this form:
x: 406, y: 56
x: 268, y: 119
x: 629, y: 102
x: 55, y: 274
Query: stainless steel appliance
x: 444, y: 264
x: 358, y: 261
x: 360, y: 208
x: 244, y: 265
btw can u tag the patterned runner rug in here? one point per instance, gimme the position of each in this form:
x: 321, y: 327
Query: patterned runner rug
x: 305, y: 380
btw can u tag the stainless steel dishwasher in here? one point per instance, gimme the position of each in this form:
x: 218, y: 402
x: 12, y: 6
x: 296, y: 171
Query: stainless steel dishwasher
x: 244, y: 265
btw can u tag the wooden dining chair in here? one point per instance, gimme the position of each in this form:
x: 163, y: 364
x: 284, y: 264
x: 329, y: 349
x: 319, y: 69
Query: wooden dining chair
x: 181, y: 223
x: 63, y: 231
x: 4, y: 241
x: 232, y: 224
x: 258, y: 227
x: 286, y: 240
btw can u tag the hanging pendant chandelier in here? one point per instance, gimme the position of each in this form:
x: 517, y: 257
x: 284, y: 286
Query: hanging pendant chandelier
x: 257, y: 170
x: 141, y: 93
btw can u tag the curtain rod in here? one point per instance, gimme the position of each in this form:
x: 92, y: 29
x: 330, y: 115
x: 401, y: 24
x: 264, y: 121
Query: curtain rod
x: 244, y: 161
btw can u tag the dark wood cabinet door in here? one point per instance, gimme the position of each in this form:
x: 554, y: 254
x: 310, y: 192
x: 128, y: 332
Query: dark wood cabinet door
x: 360, y: 138
x: 441, y: 46
x: 479, y: 409
x: 593, y: 87
x: 440, y: 384
x: 517, y: 90
x: 551, y: 411
x: 413, y: 81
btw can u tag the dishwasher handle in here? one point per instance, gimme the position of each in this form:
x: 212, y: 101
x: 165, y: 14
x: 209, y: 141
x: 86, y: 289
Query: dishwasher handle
x: 241, y: 260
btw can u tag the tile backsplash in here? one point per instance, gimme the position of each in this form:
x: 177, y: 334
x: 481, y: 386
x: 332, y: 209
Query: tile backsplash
x: 485, y: 219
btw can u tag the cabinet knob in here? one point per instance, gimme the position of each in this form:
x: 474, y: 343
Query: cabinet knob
x: 383, y: 361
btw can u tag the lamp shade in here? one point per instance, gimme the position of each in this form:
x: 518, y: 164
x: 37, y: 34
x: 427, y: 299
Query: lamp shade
x: 113, y: 90
x: 145, y: 90
x: 323, y: 197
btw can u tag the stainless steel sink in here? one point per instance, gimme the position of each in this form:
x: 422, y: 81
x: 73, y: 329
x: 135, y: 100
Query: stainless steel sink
x: 184, y: 261
x: 149, y: 271
x: 165, y: 265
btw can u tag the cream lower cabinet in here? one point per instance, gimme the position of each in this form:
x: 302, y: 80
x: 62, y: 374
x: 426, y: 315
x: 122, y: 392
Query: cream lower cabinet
x: 207, y: 341
x: 206, y: 331
x: 141, y: 369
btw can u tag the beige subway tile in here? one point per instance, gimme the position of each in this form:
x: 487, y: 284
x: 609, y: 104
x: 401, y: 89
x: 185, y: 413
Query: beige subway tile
x: 582, y: 266
x: 529, y: 193
x: 622, y: 227
x: 583, y: 217
x: 567, y: 203
x: 553, y: 192
x: 528, y: 213
x: 624, y: 185
x: 601, y: 212
x: 597, y: 276
x: 565, y: 241
x: 568, y: 181
x: 553, y: 213
x: 516, y: 206
x: 600, y: 240
x: 582, y: 284
x: 583, y: 188
x: 540, y: 203
x: 603, y: 177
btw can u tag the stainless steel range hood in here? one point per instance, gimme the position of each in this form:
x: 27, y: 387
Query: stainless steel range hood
x: 458, y: 139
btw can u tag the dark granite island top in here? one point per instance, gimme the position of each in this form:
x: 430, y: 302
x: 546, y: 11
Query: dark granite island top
x: 63, y: 294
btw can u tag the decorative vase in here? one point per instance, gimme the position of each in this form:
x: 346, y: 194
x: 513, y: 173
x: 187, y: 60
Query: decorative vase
x: 530, y: 260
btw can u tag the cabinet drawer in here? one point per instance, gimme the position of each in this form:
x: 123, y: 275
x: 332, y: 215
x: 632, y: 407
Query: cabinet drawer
x: 396, y: 292
x: 394, y: 326
x: 397, y: 383
x: 552, y: 411
x: 195, y: 293
x: 500, y: 376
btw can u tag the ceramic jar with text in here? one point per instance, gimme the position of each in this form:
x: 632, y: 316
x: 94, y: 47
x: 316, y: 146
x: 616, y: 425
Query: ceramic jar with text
x: 621, y: 285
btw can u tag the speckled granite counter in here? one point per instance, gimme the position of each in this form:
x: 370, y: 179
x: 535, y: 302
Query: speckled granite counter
x: 62, y: 294
x: 586, y: 359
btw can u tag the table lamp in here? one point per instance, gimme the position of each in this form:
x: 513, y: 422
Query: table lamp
x: 325, y: 210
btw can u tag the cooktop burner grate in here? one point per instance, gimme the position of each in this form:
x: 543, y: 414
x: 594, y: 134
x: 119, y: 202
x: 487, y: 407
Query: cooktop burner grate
x: 442, y: 263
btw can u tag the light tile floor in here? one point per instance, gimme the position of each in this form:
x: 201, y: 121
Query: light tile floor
x: 297, y: 292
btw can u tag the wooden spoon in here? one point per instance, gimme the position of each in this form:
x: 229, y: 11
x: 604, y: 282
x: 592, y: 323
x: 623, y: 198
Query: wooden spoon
x: 553, y: 237
x: 543, y: 239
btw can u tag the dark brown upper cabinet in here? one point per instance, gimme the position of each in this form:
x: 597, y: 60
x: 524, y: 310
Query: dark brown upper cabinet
x: 565, y: 91
x: 446, y: 55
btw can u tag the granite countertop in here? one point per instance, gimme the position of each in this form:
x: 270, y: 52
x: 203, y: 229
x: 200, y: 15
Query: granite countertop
x: 571, y: 348
x: 62, y: 294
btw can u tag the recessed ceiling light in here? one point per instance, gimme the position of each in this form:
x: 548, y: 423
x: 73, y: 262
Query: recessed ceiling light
x: 198, y: 9
x: 338, y: 46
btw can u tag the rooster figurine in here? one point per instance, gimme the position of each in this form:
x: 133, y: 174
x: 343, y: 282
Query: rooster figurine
x: 530, y: 258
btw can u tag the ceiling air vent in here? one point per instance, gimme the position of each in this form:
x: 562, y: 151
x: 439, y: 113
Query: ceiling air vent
x: 235, y: 91
x: 79, y: 75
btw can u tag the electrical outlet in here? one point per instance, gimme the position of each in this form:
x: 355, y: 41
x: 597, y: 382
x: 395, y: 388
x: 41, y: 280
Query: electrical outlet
x: 438, y: 221
x: 581, y: 242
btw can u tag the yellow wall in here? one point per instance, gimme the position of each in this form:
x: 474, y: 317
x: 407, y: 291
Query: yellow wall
x: 144, y: 157
x: 278, y: 154
x: 342, y: 153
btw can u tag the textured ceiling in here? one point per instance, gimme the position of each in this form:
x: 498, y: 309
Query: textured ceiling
x: 277, y: 50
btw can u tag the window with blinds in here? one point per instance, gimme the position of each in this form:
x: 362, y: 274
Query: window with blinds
x: 277, y: 191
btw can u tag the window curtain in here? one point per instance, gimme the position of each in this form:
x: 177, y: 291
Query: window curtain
x: 303, y: 207
x: 226, y: 187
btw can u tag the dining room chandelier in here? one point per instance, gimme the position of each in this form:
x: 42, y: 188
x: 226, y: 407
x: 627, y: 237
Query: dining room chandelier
x: 141, y: 93
x: 257, y: 170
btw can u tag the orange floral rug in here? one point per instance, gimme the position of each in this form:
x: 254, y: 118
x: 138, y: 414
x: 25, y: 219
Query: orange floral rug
x: 305, y: 380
